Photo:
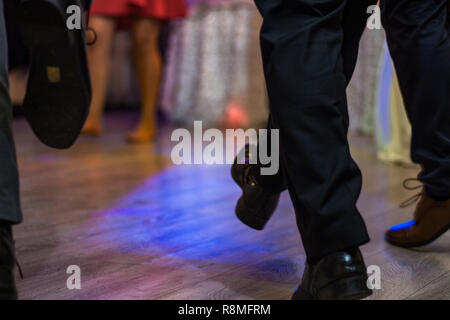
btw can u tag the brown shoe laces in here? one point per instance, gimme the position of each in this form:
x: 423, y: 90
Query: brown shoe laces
x: 17, y: 261
x: 414, y: 198
x: 15, y: 258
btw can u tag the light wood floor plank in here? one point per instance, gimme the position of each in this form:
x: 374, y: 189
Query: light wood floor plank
x: 141, y: 228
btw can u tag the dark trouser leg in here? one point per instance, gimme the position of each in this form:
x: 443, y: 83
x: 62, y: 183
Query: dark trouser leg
x: 273, y: 183
x: 9, y: 181
x: 353, y: 25
x: 419, y: 42
x: 303, y: 50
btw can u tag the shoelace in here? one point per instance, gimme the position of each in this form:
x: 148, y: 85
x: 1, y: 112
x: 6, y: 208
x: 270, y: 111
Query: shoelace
x: 19, y: 268
x: 415, y: 197
x: 17, y: 261
x: 249, y: 179
x: 88, y: 28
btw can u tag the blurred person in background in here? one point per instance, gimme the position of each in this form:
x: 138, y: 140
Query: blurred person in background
x: 213, y: 70
x: 144, y: 18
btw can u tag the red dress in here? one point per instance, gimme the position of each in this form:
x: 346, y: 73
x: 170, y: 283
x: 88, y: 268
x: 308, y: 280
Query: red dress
x: 159, y: 9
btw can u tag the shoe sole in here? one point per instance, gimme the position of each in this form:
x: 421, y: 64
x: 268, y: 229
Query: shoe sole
x: 243, y: 213
x: 59, y: 92
x: 417, y: 244
x: 352, y: 288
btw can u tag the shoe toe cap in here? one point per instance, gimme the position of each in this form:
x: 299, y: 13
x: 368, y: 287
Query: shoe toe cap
x: 399, y: 232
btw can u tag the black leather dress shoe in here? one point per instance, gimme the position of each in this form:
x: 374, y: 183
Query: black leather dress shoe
x: 256, y: 205
x: 58, y: 93
x: 7, y: 261
x: 338, y: 276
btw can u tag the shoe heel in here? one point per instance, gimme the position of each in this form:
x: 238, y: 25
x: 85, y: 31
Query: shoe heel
x: 264, y: 211
x: 352, y: 288
x: 247, y: 217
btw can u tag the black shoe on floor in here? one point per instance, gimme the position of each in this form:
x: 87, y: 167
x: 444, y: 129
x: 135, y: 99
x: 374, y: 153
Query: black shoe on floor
x: 58, y: 93
x: 256, y: 205
x: 8, y: 289
x: 338, y: 276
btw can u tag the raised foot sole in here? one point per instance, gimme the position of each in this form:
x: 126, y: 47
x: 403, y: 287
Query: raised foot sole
x: 58, y: 92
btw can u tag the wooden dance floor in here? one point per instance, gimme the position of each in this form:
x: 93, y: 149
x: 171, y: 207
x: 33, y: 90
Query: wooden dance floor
x: 141, y: 228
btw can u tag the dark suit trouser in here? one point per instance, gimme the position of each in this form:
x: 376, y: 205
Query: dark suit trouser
x: 9, y: 180
x: 419, y: 42
x: 309, y: 50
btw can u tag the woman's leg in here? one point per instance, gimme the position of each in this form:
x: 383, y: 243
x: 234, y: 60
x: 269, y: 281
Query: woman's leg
x: 99, y: 56
x: 147, y: 56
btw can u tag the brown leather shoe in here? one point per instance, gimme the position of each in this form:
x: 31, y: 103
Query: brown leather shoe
x: 431, y: 220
